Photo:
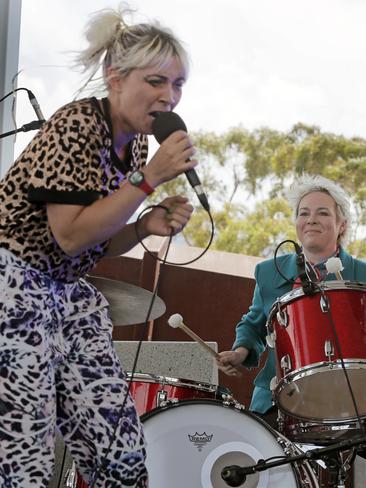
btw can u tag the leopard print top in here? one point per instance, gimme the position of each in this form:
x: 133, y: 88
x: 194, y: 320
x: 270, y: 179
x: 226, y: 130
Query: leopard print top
x: 71, y: 160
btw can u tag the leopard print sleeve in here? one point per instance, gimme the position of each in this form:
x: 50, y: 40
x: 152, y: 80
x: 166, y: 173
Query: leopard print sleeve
x: 69, y: 156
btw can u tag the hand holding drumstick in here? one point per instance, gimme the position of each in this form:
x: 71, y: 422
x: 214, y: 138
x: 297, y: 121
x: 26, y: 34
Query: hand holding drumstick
x: 229, y: 362
x: 176, y: 321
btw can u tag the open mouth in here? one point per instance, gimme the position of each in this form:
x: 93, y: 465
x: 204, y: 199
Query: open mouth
x: 156, y: 113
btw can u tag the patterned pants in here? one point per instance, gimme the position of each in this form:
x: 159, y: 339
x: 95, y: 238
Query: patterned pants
x: 58, y: 368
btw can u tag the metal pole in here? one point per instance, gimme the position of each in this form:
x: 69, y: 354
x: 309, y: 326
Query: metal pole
x: 10, y: 14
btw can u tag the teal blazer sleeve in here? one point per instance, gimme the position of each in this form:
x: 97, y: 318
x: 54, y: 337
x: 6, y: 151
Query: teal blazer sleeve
x: 251, y: 331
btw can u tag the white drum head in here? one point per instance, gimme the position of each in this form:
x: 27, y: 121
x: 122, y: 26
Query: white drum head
x: 191, y: 442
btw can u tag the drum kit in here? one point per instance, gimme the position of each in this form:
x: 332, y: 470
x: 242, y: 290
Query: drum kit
x: 198, y: 435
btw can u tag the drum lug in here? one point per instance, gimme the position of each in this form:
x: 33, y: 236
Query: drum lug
x: 287, y: 446
x: 70, y: 477
x: 280, y: 421
x: 271, y: 339
x: 161, y: 396
x: 286, y: 364
x: 282, y: 318
x: 273, y: 383
x: 324, y: 304
x: 237, y: 405
x: 329, y: 349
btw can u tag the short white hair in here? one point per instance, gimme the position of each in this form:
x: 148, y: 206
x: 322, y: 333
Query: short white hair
x: 311, y: 183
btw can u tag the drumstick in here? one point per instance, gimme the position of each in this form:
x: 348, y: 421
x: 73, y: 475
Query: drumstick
x: 176, y: 320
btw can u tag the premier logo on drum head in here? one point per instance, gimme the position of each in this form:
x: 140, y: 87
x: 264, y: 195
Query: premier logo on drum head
x: 200, y: 440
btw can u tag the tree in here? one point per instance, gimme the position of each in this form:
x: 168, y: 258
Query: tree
x: 239, y: 165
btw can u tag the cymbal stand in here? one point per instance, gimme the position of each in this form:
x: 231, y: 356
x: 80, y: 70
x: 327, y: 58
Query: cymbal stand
x: 338, y: 466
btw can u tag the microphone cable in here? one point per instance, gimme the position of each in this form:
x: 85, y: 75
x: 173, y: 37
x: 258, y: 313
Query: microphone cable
x: 290, y: 281
x: 12, y: 93
x: 35, y: 124
x: 169, y: 262
x: 163, y: 260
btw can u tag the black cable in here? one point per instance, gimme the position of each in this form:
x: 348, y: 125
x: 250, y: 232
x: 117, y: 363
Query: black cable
x: 169, y: 262
x: 62, y: 467
x: 291, y: 281
x: 12, y: 93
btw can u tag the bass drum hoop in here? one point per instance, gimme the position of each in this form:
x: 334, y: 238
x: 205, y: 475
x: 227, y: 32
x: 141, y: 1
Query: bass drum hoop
x: 177, y: 382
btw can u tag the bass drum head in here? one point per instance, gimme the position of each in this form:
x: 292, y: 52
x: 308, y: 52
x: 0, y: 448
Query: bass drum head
x: 189, y: 443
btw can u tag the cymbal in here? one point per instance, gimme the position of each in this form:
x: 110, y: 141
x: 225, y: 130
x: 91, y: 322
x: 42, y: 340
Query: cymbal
x: 128, y: 303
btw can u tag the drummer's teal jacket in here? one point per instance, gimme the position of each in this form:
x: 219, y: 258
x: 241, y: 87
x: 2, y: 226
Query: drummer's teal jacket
x: 251, y: 331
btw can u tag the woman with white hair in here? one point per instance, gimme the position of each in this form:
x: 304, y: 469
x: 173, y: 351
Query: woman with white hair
x: 65, y: 204
x: 322, y: 218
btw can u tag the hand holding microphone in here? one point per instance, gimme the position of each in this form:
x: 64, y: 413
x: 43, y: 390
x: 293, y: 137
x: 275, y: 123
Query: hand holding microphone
x: 165, y: 124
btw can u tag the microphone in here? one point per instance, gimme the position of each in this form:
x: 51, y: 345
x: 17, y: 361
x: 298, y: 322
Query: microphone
x: 164, y: 124
x: 36, y: 107
x: 307, y: 285
x: 233, y: 475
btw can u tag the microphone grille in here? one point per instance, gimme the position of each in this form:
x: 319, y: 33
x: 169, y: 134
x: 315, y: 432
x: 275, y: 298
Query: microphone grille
x: 165, y: 123
x: 175, y: 320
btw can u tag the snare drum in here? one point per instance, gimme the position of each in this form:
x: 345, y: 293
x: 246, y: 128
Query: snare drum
x: 150, y: 391
x: 311, y: 383
x: 190, y: 442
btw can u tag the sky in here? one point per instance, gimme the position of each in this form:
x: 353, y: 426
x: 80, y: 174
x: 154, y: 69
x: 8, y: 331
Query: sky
x: 254, y: 63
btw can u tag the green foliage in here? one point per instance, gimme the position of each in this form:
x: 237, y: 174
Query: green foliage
x: 255, y: 233
x: 239, y: 164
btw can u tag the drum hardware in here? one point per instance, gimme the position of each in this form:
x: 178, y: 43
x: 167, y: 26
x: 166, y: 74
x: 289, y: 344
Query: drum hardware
x: 70, y: 477
x: 161, y: 397
x: 235, y: 404
x: 271, y: 339
x: 229, y: 400
x: 236, y: 475
x: 324, y: 303
x: 169, y: 402
x: 338, y: 466
x: 329, y: 350
x: 282, y: 318
x: 286, y: 364
x: 273, y: 384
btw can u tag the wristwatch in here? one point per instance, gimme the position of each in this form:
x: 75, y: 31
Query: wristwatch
x: 137, y: 178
